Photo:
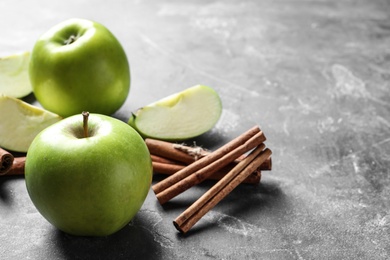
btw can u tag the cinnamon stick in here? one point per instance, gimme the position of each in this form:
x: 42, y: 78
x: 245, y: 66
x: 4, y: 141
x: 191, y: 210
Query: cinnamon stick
x: 194, y: 152
x: 164, y: 149
x: 163, y: 165
x: 200, y: 170
x: 6, y: 160
x: 169, y: 169
x: 17, y: 167
x: 197, y: 210
x: 161, y: 159
x: 166, y: 168
x: 164, y: 184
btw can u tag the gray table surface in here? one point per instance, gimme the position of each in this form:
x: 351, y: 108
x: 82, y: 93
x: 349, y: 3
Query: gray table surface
x: 313, y: 74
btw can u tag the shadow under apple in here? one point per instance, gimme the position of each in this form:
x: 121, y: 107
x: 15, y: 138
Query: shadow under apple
x: 131, y: 242
x: 6, y: 197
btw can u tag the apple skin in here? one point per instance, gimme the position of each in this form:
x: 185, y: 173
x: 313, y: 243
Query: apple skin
x: 88, y: 186
x: 91, y: 73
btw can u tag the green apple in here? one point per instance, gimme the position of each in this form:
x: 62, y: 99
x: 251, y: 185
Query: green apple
x: 14, y: 78
x: 79, y: 65
x: 180, y: 116
x: 20, y: 122
x: 88, y: 178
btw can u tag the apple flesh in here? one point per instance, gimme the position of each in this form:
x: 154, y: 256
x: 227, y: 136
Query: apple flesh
x: 79, y: 65
x: 88, y: 186
x: 20, y: 122
x: 180, y: 116
x: 14, y: 78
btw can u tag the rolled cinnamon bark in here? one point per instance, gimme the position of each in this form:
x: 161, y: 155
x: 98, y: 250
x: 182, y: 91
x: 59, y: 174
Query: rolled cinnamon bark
x: 220, y: 190
x: 6, y: 161
x: 169, y: 169
x: 200, y: 170
x: 17, y: 167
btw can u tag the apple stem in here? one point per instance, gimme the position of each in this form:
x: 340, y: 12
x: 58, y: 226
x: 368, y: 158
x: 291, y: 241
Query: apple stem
x: 85, y: 122
x: 70, y: 40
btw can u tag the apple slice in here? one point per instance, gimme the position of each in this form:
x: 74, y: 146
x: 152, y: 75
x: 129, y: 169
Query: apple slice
x: 180, y: 116
x: 20, y: 122
x: 14, y: 78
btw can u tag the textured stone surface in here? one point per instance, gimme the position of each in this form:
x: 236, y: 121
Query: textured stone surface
x: 313, y: 74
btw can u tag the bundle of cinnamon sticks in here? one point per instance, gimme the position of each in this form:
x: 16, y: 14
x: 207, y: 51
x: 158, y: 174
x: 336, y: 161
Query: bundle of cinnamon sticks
x: 239, y: 161
x: 10, y: 165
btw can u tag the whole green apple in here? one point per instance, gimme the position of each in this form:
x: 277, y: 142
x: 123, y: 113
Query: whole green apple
x: 79, y: 65
x: 88, y: 177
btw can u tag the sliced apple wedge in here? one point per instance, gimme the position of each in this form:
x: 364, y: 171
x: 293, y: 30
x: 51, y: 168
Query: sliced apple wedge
x: 20, y: 122
x: 14, y: 78
x: 180, y: 116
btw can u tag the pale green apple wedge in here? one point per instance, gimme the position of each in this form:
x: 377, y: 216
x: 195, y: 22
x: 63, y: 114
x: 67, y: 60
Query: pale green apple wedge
x: 20, y: 122
x: 180, y: 116
x: 14, y: 77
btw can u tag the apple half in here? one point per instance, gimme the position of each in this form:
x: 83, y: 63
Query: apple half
x: 14, y: 77
x: 180, y: 116
x: 20, y: 122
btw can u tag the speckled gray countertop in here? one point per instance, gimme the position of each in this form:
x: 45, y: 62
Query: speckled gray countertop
x: 313, y: 74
